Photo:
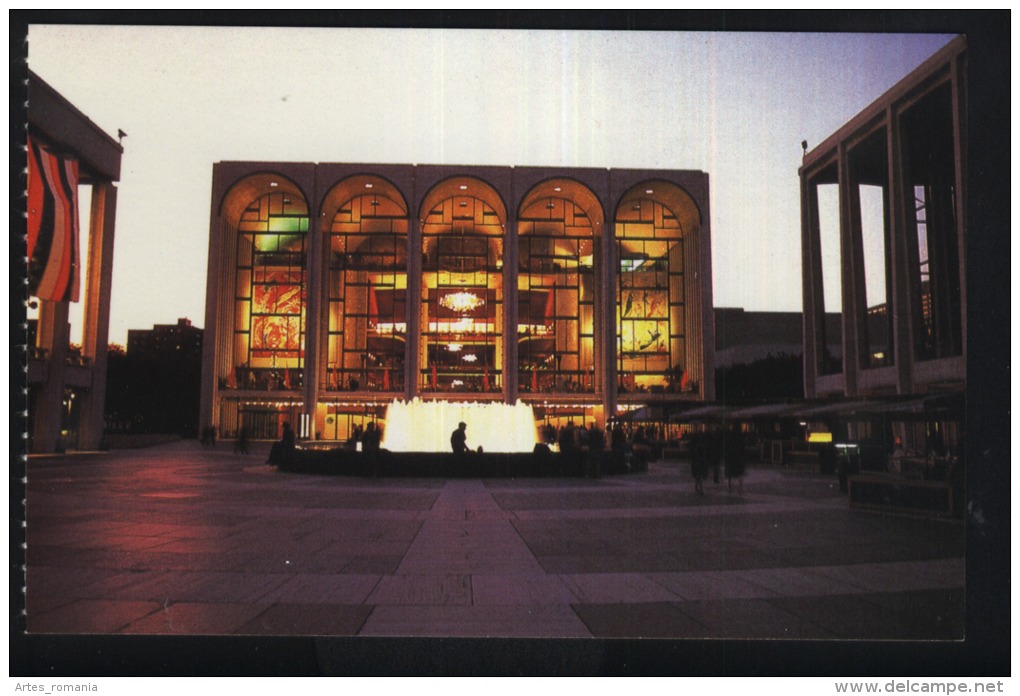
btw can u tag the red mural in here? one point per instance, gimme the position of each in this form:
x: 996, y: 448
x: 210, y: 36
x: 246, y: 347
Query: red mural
x: 279, y: 295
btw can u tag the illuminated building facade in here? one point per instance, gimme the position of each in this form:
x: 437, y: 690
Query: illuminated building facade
x: 336, y: 288
x: 885, y: 195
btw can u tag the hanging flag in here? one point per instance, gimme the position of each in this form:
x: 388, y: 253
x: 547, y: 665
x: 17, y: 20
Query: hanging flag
x: 386, y: 379
x: 485, y: 379
x: 685, y: 381
x: 534, y: 379
x: 53, y: 253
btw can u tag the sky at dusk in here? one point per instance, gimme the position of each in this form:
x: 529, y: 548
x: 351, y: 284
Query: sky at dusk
x: 735, y: 105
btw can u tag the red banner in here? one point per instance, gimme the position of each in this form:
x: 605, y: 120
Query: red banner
x: 53, y: 253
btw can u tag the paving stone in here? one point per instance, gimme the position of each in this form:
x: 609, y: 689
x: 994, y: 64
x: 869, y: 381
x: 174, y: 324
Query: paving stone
x: 862, y: 616
x: 475, y: 622
x: 710, y: 585
x: 194, y: 618
x: 535, y: 589
x: 617, y: 588
x: 647, y: 620
x: 307, y: 620
x: 88, y: 616
x: 422, y: 590
x: 752, y: 618
x: 124, y: 540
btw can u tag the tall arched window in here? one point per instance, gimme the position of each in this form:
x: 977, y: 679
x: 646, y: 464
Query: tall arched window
x: 367, y: 327
x: 655, y: 224
x: 557, y: 290
x: 269, y: 329
x: 462, y: 289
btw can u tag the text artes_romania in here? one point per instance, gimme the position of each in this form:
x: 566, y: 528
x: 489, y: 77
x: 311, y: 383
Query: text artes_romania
x: 55, y: 688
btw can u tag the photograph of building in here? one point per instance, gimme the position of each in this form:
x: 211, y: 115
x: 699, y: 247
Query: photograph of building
x: 726, y: 276
x: 336, y: 288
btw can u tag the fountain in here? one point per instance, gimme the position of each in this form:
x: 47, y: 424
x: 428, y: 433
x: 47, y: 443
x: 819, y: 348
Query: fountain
x: 425, y: 426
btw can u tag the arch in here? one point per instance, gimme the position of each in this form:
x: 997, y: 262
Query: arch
x: 656, y: 226
x: 569, y: 189
x: 247, y: 189
x: 469, y: 186
x: 365, y: 227
x: 463, y: 221
x: 270, y: 269
x: 559, y: 224
x: 670, y: 195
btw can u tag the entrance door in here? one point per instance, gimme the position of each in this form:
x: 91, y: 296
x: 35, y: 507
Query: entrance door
x: 261, y: 425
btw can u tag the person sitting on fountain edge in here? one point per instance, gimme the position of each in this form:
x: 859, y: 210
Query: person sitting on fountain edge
x: 458, y: 440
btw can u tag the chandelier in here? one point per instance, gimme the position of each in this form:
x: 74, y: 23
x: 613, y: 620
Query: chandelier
x: 461, y: 301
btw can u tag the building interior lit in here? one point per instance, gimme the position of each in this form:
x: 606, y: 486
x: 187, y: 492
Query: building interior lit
x: 336, y: 289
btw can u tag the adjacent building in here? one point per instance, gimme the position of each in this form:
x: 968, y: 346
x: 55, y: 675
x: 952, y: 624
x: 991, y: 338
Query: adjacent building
x: 335, y: 288
x: 886, y: 195
x: 67, y: 151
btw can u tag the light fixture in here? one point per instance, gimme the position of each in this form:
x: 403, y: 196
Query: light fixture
x: 470, y: 357
x: 273, y: 184
x: 454, y: 347
x: 463, y: 187
x: 461, y: 301
x: 368, y: 185
x: 649, y: 191
x: 557, y: 189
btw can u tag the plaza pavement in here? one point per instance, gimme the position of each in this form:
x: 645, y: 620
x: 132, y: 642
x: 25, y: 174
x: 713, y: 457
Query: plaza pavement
x: 177, y: 539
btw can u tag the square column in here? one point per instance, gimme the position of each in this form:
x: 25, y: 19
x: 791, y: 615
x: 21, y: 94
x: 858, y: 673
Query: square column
x: 96, y: 332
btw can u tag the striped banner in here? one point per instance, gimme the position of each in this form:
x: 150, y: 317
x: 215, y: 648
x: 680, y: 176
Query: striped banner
x: 53, y: 253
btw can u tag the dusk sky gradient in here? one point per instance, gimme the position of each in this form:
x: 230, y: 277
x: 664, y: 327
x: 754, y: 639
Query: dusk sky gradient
x: 734, y: 105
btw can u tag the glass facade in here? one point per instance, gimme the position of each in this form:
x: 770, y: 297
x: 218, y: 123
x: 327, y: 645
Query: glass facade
x: 650, y: 299
x: 367, y: 328
x: 462, y: 297
x: 269, y: 329
x: 457, y: 288
x: 556, y: 298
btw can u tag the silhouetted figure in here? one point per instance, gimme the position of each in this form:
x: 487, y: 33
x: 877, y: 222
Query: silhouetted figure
x: 618, y: 444
x: 370, y: 441
x: 458, y: 439
x: 281, y: 451
x: 596, y: 446
x: 699, y: 449
x: 371, y: 438
x: 734, y: 458
x: 241, y: 446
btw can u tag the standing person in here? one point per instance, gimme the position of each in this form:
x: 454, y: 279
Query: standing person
x: 596, y: 445
x: 241, y: 446
x: 618, y: 444
x: 733, y: 458
x: 458, y: 439
x: 699, y: 452
x: 370, y: 441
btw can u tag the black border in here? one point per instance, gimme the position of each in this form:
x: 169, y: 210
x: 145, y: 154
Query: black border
x: 985, y: 651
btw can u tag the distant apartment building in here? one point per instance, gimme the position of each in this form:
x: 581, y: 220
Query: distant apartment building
x: 165, y: 343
